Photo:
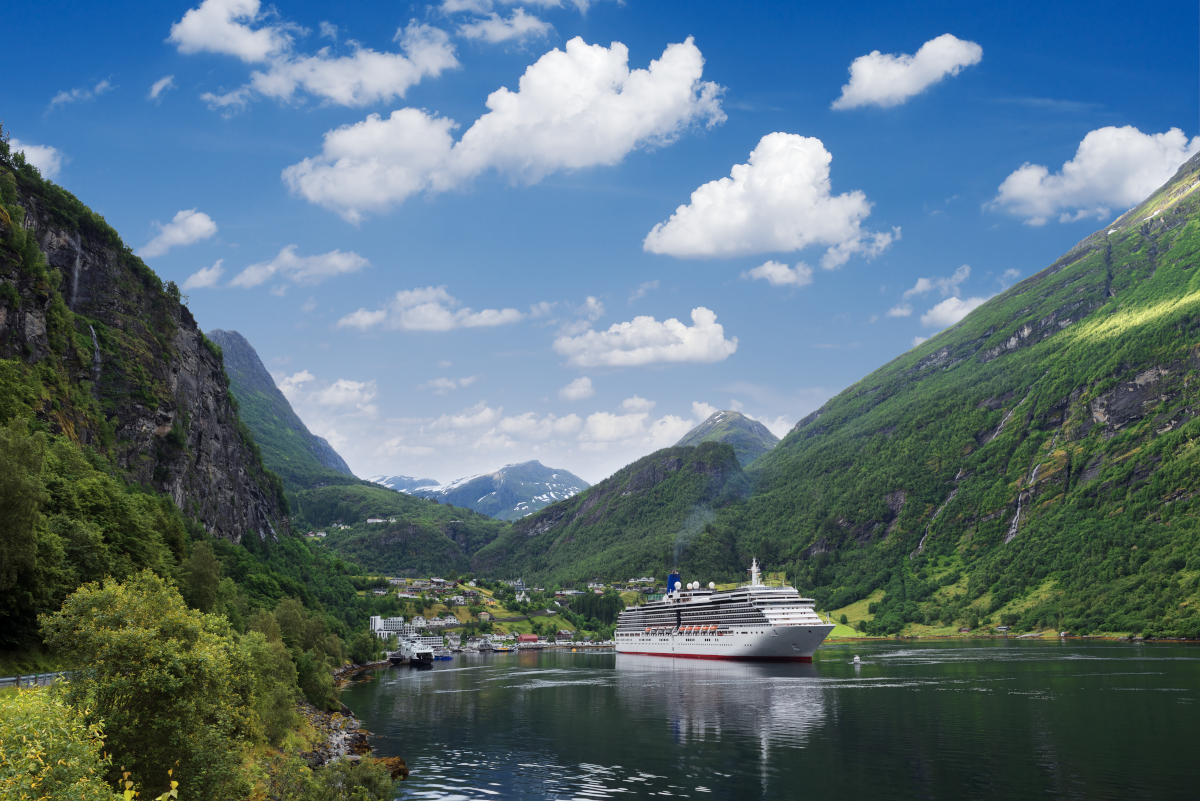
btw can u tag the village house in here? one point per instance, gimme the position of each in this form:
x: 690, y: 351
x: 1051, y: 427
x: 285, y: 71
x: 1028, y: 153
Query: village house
x: 485, y: 615
x: 565, y: 634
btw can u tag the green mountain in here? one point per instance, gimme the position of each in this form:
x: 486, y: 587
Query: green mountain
x: 301, y: 459
x: 417, y: 537
x: 512, y: 492
x: 1035, y: 464
x: 645, y: 514
x: 750, y: 439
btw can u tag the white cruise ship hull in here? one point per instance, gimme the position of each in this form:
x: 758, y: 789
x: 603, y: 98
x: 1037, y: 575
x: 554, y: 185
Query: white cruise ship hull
x: 766, y: 643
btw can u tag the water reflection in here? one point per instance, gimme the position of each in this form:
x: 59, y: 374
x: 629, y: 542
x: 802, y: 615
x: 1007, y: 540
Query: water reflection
x: 928, y: 720
x: 773, y: 703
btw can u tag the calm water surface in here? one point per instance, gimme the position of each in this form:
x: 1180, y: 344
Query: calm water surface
x: 998, y: 719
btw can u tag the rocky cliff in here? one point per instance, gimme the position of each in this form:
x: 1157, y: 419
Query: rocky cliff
x: 98, y: 348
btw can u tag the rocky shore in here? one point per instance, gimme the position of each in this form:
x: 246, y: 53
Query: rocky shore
x: 341, y: 735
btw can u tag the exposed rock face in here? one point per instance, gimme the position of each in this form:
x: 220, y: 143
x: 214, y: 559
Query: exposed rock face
x: 162, y: 405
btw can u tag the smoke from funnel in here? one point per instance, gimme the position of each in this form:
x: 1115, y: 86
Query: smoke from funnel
x: 689, y: 530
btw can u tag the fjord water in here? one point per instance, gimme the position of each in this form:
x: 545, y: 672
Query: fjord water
x: 936, y: 719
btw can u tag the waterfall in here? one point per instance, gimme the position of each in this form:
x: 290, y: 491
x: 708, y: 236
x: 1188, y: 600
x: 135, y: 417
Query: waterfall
x: 1015, y: 527
x: 75, y: 276
x: 921, y: 544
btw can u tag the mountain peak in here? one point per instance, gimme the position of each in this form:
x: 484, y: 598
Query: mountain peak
x: 749, y: 438
x: 289, y: 448
x: 512, y: 492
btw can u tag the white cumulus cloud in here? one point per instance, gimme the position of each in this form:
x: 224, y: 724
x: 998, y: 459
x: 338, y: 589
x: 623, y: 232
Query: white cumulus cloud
x: 778, y: 274
x: 188, y: 227
x: 884, y: 79
x: 242, y: 28
x: 224, y: 26
x: 950, y: 311
x: 292, y: 385
x: 900, y: 310
x: 205, y: 277
x: 644, y: 341
x: 579, y: 389
x: 1112, y: 168
x: 48, y: 160
x: 427, y: 309
x: 494, y: 28
x: 574, y: 108
x: 703, y: 411
x: 780, y: 201
x: 300, y: 269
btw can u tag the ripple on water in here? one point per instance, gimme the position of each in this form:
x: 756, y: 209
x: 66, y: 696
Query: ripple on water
x: 470, y: 776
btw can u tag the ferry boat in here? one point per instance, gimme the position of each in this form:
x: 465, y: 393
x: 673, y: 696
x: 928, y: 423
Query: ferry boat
x: 752, y: 621
x: 417, y: 653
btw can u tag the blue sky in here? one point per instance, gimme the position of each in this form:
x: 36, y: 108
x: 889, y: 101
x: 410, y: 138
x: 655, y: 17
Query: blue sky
x: 470, y: 225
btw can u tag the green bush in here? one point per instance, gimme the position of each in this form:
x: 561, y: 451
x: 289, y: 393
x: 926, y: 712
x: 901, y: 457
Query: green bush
x: 49, y: 750
x: 171, y: 684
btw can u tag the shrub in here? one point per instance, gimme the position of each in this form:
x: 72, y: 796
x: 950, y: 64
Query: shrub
x: 170, y: 683
x: 48, y: 750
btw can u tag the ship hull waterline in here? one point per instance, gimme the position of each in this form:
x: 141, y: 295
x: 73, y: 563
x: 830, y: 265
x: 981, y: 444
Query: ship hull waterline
x: 777, y: 644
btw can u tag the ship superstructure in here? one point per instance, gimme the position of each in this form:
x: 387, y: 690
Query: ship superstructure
x: 752, y: 621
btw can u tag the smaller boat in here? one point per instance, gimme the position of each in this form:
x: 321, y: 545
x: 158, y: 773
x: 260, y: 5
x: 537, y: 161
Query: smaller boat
x: 503, y: 648
x: 442, y: 654
x: 418, y: 655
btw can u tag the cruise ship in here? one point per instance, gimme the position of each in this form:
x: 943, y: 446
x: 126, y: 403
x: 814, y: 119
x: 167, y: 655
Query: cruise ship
x: 753, y: 621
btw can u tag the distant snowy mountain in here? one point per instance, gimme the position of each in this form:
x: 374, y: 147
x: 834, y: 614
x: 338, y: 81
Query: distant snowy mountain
x: 403, y: 483
x: 512, y: 492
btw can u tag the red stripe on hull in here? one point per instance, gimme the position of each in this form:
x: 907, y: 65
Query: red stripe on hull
x: 729, y: 658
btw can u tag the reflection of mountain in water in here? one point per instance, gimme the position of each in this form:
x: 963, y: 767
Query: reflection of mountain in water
x: 776, y: 704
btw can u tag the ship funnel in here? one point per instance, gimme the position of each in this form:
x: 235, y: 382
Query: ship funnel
x: 673, y: 582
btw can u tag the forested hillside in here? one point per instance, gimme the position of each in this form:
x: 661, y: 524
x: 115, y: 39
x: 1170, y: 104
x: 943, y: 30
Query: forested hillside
x: 642, y: 517
x: 301, y: 459
x: 1034, y: 464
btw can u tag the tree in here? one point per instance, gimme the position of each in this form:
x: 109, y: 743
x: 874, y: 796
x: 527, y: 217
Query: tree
x: 364, y: 648
x: 48, y: 750
x: 170, y: 683
x: 202, y: 573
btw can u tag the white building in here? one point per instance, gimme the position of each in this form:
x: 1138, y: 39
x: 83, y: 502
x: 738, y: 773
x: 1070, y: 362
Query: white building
x: 384, y: 626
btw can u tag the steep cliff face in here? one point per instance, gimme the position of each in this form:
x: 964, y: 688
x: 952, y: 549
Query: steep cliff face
x: 99, y: 349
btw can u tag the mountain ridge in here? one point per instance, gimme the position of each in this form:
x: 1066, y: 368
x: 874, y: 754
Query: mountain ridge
x: 302, y: 459
x: 509, y: 493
